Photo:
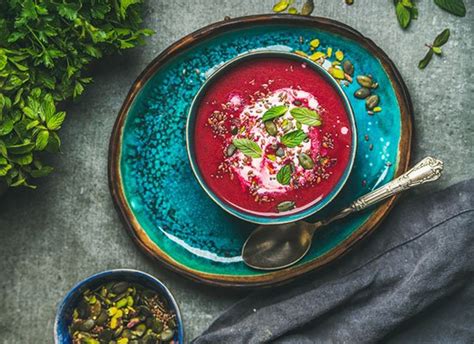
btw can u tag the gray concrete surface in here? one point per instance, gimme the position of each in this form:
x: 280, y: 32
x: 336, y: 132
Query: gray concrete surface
x: 68, y: 228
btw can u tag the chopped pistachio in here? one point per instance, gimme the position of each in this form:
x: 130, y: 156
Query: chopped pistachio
x: 314, y: 43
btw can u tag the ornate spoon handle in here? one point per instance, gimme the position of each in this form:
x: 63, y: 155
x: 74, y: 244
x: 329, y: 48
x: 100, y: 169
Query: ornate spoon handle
x: 427, y: 170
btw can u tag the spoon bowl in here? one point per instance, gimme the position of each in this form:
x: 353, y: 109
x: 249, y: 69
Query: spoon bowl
x: 287, y: 244
x: 280, y: 246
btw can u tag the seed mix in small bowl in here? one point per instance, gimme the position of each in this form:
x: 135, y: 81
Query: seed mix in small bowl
x: 122, y: 312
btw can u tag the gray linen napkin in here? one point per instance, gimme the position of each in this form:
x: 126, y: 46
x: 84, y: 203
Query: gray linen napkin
x: 411, y: 281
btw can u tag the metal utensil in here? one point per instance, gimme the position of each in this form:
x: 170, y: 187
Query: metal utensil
x: 279, y: 246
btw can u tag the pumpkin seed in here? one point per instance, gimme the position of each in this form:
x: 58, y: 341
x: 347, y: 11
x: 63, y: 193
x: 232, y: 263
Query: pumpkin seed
x: 119, y: 287
x: 271, y: 128
x: 102, y: 318
x: 308, y: 8
x: 280, y: 152
x: 305, y: 161
x: 87, y: 325
x: 234, y: 130
x: 150, y: 338
x: 140, y: 330
x: 230, y: 150
x: 348, y: 67
x: 365, y: 81
x: 167, y: 335
x: 362, y: 93
x: 285, y: 206
x: 106, y: 335
x: 372, y: 101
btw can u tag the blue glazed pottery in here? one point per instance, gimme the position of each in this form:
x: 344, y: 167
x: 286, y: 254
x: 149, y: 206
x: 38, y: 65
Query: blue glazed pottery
x: 169, y: 215
x: 190, y: 129
x: 66, y: 306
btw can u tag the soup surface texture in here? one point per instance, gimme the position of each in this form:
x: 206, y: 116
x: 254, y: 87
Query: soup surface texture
x: 272, y: 136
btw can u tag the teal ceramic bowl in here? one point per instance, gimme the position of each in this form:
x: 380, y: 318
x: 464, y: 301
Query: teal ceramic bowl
x: 277, y: 218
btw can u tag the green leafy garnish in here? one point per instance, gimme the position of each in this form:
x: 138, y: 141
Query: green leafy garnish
x: 306, y: 116
x: 442, y: 38
x: 248, y: 147
x: 284, y: 175
x: 294, y: 138
x: 274, y: 112
x: 406, y: 11
x: 455, y: 7
x: 45, y: 47
x: 435, y: 48
x: 424, y: 62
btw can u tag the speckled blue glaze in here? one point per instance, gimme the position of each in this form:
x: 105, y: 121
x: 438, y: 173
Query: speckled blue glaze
x: 158, y: 182
x: 66, y: 306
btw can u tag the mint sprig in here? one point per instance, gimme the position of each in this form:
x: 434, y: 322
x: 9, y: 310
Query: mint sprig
x: 248, y: 147
x: 294, y: 138
x: 306, y: 116
x: 274, y: 112
x: 455, y: 7
x: 284, y: 175
x: 435, y: 48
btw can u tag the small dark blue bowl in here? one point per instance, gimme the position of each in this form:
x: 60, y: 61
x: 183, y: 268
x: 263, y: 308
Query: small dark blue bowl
x: 67, y: 305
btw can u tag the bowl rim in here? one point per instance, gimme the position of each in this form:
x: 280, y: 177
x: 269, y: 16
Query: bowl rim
x: 246, y: 216
x: 106, y: 273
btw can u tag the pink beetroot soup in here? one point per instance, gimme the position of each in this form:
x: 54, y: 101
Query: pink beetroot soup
x: 272, y: 136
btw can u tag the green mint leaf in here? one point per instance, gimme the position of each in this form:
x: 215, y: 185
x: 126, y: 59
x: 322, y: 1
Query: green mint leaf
x: 403, y: 15
x: 442, y: 38
x: 21, y: 148
x: 3, y: 149
x: 306, y: 116
x: 455, y: 7
x: 248, y: 147
x: 42, y: 140
x: 55, y: 121
x: 49, y: 108
x: 22, y: 160
x: 284, y: 175
x: 43, y: 172
x: 274, y: 112
x: 3, y: 60
x: 32, y: 124
x: 424, y: 62
x: 54, y: 143
x: 294, y: 138
x: 4, y: 169
x: 6, y: 127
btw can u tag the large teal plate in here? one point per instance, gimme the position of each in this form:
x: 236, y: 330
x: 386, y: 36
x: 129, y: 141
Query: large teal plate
x: 172, y: 219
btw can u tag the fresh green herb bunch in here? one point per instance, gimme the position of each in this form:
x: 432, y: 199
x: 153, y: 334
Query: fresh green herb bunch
x: 45, y: 47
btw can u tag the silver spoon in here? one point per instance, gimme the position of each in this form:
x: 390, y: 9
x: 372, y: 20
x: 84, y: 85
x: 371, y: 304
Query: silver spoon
x: 279, y: 246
